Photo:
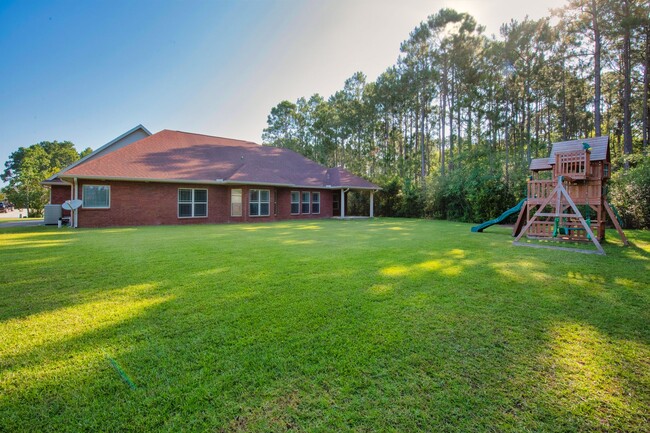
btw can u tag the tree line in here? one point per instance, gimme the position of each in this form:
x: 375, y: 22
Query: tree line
x: 27, y: 167
x: 450, y: 128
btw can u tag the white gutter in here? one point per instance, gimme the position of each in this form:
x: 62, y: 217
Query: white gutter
x: 50, y: 183
x: 220, y: 182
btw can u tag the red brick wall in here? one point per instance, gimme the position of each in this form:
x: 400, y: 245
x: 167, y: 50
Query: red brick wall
x: 144, y: 203
x: 59, y: 194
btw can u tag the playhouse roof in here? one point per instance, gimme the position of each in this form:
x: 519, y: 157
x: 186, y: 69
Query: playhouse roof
x: 599, y: 148
x: 599, y: 151
x: 540, y: 164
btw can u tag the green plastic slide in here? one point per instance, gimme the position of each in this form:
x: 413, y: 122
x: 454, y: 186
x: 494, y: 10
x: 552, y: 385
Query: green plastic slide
x: 500, y: 219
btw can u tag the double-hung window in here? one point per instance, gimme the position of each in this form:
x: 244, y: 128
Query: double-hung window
x: 96, y: 196
x: 305, y: 201
x: 315, y: 202
x: 295, y: 202
x: 192, y: 203
x: 259, y: 202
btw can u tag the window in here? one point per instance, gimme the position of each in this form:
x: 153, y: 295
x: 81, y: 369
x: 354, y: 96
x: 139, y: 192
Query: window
x: 192, y: 203
x: 258, y: 202
x: 96, y: 196
x: 305, y: 202
x: 235, y: 202
x: 335, y: 201
x: 295, y: 202
x: 315, y: 202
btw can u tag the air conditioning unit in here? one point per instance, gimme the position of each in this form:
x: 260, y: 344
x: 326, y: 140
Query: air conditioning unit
x: 52, y: 213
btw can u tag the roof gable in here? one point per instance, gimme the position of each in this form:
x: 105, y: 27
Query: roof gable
x: 137, y: 133
x: 132, y: 135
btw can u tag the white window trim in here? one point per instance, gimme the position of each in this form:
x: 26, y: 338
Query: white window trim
x: 83, y: 192
x: 313, y: 201
x: 241, y: 197
x: 178, y: 214
x: 259, y: 202
x: 302, y: 202
x: 292, y: 202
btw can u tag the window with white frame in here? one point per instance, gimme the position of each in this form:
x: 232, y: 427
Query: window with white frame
x: 235, y: 202
x: 295, y: 202
x: 96, y: 196
x: 192, y: 203
x: 315, y: 202
x: 259, y: 202
x: 305, y: 202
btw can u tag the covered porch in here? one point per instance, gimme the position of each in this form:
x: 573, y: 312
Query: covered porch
x: 363, y: 204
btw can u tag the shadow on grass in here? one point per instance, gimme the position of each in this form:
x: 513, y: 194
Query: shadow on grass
x: 536, y: 297
x: 344, y: 328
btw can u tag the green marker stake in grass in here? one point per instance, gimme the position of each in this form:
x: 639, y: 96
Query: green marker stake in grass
x: 122, y: 373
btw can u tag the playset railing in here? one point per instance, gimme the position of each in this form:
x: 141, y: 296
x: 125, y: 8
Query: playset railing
x: 539, y: 190
x: 573, y: 165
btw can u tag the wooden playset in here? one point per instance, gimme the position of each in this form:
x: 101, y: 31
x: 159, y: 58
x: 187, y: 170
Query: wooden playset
x: 566, y: 197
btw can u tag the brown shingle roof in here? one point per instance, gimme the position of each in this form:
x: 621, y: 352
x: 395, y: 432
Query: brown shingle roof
x: 599, y: 148
x: 182, y: 156
x: 540, y: 164
x: 338, y: 176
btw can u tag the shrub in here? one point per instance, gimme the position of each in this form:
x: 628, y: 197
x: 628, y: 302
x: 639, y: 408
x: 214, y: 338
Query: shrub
x: 410, y: 201
x: 358, y: 203
x: 399, y: 198
x: 388, y: 198
x: 630, y: 193
x: 469, y: 195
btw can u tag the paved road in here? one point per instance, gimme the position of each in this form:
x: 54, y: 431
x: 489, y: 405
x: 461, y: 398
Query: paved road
x: 17, y: 214
x: 25, y: 223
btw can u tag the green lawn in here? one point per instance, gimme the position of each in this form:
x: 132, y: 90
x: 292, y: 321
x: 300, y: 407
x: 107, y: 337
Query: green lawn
x: 382, y: 325
x: 11, y: 220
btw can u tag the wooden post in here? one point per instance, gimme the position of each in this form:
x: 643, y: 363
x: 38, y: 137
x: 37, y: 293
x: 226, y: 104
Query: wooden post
x: 372, y: 204
x: 520, y: 219
x: 342, y: 203
x: 610, y: 212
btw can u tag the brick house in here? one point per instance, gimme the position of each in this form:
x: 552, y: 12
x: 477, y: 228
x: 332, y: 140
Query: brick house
x: 174, y: 177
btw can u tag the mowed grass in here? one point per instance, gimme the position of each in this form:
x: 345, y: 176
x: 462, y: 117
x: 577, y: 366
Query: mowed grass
x: 373, y: 325
x: 4, y: 219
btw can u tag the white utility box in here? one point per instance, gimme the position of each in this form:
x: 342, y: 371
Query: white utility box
x: 52, y: 214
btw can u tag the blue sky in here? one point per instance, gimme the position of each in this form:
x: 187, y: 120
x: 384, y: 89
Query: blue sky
x: 87, y: 71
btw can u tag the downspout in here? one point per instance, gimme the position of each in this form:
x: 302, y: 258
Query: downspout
x: 76, y: 197
x: 343, y: 191
x: 71, y: 198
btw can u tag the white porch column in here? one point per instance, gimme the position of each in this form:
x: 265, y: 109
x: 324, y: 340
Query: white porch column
x: 372, y: 204
x: 342, y: 203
